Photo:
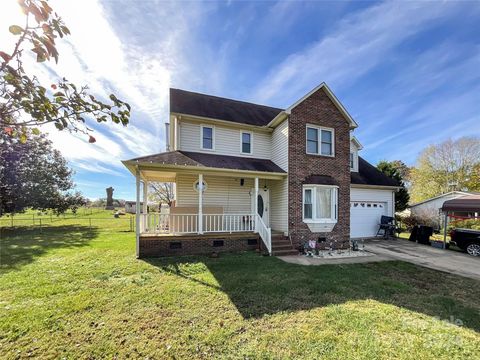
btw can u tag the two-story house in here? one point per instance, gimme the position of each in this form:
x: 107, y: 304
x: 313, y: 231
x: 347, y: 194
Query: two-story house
x: 247, y: 175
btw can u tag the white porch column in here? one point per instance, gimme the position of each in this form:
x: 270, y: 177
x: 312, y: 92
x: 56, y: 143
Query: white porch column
x: 137, y: 212
x: 255, y: 203
x: 145, y: 196
x: 200, y: 203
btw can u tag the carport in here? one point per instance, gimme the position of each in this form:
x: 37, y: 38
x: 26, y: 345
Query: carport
x: 469, y: 203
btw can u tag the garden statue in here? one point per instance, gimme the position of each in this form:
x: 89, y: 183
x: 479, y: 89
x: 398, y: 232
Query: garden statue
x: 109, y: 205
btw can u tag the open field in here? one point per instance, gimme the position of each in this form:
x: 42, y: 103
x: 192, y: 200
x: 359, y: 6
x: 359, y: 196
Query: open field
x: 74, y: 291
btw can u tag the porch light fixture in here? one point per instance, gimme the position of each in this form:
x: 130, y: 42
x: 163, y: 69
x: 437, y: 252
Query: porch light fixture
x: 197, y: 187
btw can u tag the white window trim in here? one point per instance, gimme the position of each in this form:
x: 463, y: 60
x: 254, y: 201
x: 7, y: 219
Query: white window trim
x: 213, y: 137
x: 334, y: 204
x: 319, y: 139
x: 355, y: 161
x: 241, y: 142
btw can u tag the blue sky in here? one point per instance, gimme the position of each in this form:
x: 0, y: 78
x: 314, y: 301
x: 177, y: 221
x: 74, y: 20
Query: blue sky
x: 408, y: 72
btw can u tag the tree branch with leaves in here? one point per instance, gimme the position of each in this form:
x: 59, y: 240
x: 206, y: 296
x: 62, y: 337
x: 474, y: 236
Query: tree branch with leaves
x: 25, y: 103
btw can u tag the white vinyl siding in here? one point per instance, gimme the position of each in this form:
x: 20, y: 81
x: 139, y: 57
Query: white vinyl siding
x: 280, y: 145
x: 226, y: 141
x: 222, y: 192
x: 279, y: 204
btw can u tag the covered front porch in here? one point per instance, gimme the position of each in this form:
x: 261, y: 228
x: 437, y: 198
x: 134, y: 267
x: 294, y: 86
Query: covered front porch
x: 222, y: 207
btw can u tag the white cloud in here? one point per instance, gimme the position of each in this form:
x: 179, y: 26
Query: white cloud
x: 137, y: 71
x: 355, y: 46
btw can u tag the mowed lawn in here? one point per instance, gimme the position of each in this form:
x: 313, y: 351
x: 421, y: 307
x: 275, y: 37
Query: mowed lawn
x: 75, y: 291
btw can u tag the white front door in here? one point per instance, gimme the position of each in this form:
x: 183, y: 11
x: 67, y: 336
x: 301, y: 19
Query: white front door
x: 263, y: 204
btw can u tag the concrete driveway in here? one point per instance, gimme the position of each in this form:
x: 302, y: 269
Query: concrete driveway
x: 444, y: 260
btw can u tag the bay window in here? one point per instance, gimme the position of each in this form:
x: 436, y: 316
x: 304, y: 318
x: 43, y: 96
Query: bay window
x: 320, y: 203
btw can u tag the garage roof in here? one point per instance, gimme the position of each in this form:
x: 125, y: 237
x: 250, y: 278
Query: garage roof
x: 464, y: 203
x: 369, y: 175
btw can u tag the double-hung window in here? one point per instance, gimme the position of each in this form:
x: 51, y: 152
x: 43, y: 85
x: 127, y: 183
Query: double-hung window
x: 352, y: 163
x: 246, y: 142
x: 207, y: 141
x: 320, y: 203
x: 320, y: 140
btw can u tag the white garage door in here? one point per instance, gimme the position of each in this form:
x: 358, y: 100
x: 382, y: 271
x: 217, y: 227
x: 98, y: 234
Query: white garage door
x: 365, y: 217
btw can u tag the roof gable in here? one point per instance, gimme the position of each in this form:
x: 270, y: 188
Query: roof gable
x: 323, y: 86
x: 214, y: 107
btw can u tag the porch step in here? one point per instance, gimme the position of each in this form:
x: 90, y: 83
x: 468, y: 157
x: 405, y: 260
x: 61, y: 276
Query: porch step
x: 284, y: 252
x: 281, y: 245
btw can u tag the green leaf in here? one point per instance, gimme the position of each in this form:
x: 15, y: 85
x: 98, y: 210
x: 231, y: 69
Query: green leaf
x: 15, y: 29
x: 35, y: 131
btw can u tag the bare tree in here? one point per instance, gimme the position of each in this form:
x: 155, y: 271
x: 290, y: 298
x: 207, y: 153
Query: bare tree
x: 162, y: 193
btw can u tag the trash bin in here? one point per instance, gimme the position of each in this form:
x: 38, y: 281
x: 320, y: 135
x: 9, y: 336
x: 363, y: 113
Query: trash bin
x: 424, y: 233
x: 414, y: 234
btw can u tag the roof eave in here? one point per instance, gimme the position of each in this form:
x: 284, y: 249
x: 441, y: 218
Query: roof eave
x: 226, y: 122
x: 371, y: 186
x: 131, y: 165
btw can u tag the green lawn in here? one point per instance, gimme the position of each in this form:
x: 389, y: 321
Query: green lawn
x: 75, y: 291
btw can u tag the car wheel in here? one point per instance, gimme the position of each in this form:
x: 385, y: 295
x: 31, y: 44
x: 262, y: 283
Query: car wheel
x: 473, y: 249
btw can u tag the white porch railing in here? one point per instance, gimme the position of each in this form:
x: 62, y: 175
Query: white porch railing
x: 212, y: 223
x: 265, y: 233
x: 188, y: 223
x: 168, y: 223
x: 228, y: 223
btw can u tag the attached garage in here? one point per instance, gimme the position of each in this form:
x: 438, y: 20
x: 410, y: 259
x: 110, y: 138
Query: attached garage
x: 366, y: 208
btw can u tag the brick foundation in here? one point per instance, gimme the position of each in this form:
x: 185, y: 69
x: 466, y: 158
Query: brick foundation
x: 151, y: 246
x: 318, y: 109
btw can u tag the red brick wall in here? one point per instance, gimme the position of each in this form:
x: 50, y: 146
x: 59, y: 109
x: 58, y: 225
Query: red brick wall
x: 318, y: 109
x: 154, y: 247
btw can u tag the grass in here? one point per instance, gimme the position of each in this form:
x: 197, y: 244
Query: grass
x: 74, y: 292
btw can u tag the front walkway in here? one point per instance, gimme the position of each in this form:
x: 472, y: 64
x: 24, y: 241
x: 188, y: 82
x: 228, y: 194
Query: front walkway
x: 449, y: 261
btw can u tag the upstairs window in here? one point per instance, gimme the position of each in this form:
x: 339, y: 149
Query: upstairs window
x: 352, y: 164
x: 320, y: 141
x: 207, y: 137
x: 246, y: 142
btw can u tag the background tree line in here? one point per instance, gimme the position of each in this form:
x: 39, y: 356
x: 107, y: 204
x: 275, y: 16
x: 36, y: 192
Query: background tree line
x: 440, y: 168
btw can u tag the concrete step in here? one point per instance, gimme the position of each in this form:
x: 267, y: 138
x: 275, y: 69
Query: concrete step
x: 281, y: 247
x: 281, y: 244
x: 284, y: 252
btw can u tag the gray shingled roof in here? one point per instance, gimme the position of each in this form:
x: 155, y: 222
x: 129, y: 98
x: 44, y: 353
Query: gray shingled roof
x: 191, y: 103
x: 369, y: 175
x: 211, y: 160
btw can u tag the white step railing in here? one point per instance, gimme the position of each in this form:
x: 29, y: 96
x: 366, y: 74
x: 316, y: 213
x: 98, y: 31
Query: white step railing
x: 188, y: 223
x: 265, y: 233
